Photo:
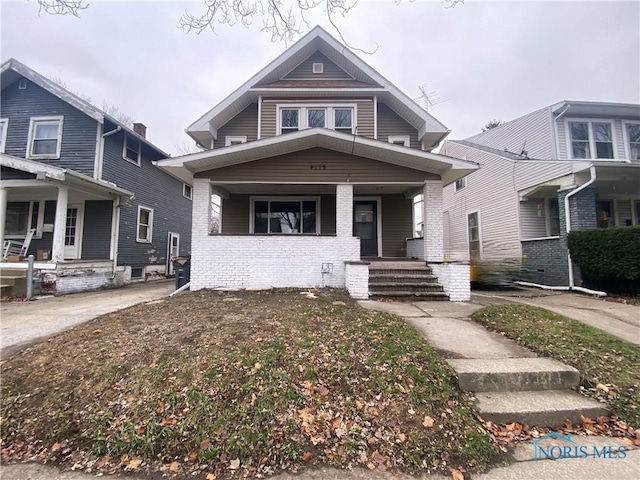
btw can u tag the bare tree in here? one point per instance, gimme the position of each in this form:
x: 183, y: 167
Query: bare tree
x: 115, y: 112
x: 492, y: 124
x: 57, y: 80
x: 282, y: 19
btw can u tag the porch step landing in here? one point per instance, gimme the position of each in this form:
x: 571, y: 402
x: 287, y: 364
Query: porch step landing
x: 404, y: 279
x: 13, y: 283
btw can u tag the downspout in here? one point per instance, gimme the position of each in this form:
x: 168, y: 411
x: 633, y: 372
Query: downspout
x: 567, y: 216
x: 116, y: 238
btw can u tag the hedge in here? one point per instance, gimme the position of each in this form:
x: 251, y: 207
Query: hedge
x: 608, y: 257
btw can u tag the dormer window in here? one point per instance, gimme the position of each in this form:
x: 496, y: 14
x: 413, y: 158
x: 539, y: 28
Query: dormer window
x: 300, y: 117
x: 289, y: 120
x: 591, y: 139
x: 318, y: 68
x: 316, y: 117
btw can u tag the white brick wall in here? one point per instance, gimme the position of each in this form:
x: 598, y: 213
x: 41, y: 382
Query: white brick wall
x: 455, y: 278
x: 270, y: 261
x: 357, y: 280
x: 415, y: 248
x: 432, y: 218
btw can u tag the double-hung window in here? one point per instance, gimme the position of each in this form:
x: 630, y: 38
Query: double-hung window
x: 591, y: 139
x: 131, y: 150
x: 4, y: 123
x: 632, y: 131
x: 22, y: 217
x: 45, y: 137
x: 145, y: 224
x: 300, y: 117
x: 285, y: 215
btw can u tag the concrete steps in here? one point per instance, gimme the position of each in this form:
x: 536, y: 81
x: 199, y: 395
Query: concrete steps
x: 534, y: 391
x: 13, y: 283
x: 415, y: 279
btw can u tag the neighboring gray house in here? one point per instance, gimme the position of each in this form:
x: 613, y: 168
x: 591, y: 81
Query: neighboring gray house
x: 102, y: 211
x: 317, y: 159
x: 586, y: 154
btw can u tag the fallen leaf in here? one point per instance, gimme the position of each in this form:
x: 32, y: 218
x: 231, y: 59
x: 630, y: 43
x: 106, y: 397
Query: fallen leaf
x: 134, y: 463
x: 97, y: 331
x: 307, y: 384
x: 174, y: 467
x: 457, y: 475
x: 257, y: 366
x: 401, y: 437
x: 603, y: 387
x: 123, y: 354
x: 211, y: 476
x: 234, y: 464
x: 587, y: 420
x: 204, y: 444
x: 307, y: 456
x: 192, y: 457
x: 359, y: 405
x: 427, y: 422
x: 55, y: 447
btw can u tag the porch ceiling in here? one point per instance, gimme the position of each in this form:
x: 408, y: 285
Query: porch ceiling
x: 450, y: 169
x: 297, y: 189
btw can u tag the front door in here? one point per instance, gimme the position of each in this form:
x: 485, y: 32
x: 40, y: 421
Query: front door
x: 365, y: 226
x: 173, y: 250
x: 73, y: 232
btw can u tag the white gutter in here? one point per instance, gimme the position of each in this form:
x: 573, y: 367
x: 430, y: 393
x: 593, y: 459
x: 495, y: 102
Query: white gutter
x: 181, y: 289
x: 115, y: 238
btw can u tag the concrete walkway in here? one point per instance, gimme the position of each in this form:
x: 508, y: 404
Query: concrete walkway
x: 24, y: 323
x: 618, y: 319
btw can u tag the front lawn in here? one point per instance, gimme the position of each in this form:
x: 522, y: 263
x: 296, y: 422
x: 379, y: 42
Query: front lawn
x: 609, y: 367
x: 215, y: 384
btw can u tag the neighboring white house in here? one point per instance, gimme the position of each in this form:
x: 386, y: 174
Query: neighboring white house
x: 317, y: 159
x: 513, y: 208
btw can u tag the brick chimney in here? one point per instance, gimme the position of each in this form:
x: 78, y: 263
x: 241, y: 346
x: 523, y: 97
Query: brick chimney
x: 140, y: 129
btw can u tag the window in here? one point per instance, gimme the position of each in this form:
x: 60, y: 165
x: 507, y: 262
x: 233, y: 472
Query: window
x: 22, y: 217
x: 4, y: 123
x: 461, y: 183
x: 285, y: 215
x: 145, y: 224
x: 473, y: 232
x: 187, y: 191
x: 22, y: 84
x: 318, y: 68
x: 234, y: 140
x: 632, y: 131
x: 339, y: 118
x: 290, y: 121
x: 604, y: 213
x: 402, y: 140
x: 553, y: 216
x: 591, y: 139
x: 45, y: 135
x: 131, y: 150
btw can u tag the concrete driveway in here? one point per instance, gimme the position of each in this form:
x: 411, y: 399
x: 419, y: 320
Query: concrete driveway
x: 24, y: 323
x: 618, y: 319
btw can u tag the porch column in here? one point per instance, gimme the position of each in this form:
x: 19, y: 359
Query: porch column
x: 3, y: 213
x: 344, y: 210
x: 60, y: 225
x: 432, y: 229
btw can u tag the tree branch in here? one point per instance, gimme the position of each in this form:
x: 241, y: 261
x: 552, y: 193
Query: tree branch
x: 62, y: 7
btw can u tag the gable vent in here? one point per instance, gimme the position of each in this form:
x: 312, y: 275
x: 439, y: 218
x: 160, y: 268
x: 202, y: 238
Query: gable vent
x: 22, y: 84
x: 318, y: 67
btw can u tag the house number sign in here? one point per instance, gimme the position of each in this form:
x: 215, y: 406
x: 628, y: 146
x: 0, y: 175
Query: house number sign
x: 317, y: 166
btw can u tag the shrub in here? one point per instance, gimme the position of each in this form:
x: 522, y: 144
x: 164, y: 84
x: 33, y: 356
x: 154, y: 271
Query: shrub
x: 608, y: 257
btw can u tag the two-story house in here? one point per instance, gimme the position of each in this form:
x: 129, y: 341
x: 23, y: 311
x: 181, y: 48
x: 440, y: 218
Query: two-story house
x: 569, y: 166
x: 316, y: 160
x: 86, y: 186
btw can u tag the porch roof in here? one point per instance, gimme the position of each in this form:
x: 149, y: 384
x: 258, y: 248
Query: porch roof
x: 70, y: 178
x: 449, y: 168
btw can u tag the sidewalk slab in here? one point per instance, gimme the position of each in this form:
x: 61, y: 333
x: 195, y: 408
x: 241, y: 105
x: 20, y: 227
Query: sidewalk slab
x: 456, y: 338
x: 448, y: 309
x: 402, y: 309
x: 514, y: 374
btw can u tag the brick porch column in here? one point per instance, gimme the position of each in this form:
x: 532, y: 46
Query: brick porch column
x: 344, y: 210
x: 433, y: 232
x: 60, y: 225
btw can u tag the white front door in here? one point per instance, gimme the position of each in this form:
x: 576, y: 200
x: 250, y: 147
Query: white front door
x: 73, y: 232
x: 173, y: 250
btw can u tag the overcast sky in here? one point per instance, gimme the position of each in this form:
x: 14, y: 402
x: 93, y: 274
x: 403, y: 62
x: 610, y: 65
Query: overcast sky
x: 481, y: 60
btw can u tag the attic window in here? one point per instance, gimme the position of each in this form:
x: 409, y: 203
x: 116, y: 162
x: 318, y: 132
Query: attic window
x: 22, y: 84
x: 318, y: 68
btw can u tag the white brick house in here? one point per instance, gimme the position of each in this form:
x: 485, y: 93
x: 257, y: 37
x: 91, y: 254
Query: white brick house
x: 314, y: 164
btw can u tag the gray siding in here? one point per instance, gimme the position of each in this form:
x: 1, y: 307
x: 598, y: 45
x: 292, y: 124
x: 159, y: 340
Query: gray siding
x: 46, y: 241
x: 96, y: 235
x: 364, y: 119
x: 304, y: 71
x: 245, y: 124
x: 397, y: 224
x: 296, y: 167
x: 545, y: 262
x: 78, y: 149
x: 7, y: 173
x: 391, y: 124
x: 153, y: 189
x: 534, y: 128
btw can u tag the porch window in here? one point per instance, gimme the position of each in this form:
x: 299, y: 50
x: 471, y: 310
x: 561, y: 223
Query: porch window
x: 131, y: 151
x: 145, y: 224
x: 3, y: 133
x: 589, y: 138
x: 287, y: 216
x: 633, y: 140
x: 22, y: 217
x: 45, y: 137
x: 290, y: 121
